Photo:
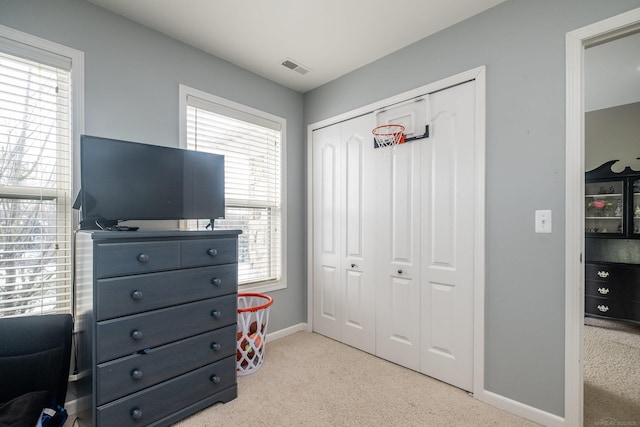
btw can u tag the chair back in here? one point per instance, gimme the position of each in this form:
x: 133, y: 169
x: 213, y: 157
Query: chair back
x: 35, y: 354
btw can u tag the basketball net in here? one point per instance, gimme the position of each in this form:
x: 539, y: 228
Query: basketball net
x: 388, y: 136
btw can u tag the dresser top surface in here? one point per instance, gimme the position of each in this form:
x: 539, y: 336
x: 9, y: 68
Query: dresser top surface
x: 163, y: 234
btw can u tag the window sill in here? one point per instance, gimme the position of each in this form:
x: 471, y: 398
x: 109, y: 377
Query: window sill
x: 262, y: 287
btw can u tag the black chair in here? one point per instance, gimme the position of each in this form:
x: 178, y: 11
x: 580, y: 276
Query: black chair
x: 35, y: 352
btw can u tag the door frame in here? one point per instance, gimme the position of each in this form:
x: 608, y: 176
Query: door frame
x: 576, y: 43
x: 479, y: 75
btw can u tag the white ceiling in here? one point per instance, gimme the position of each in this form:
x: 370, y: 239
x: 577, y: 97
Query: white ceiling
x: 330, y: 37
x: 334, y: 37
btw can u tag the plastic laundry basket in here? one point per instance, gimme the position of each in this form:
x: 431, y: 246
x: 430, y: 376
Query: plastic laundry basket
x: 253, y: 316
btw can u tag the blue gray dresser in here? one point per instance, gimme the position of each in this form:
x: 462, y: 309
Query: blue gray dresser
x: 156, y: 318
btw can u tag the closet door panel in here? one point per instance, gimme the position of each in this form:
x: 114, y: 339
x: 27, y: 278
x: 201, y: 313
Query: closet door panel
x: 327, y: 229
x: 343, y: 230
x: 355, y: 320
x: 358, y: 328
x: 447, y: 218
x: 398, y: 303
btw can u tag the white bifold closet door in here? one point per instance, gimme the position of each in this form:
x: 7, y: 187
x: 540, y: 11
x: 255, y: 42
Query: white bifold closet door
x: 447, y: 198
x: 398, y: 307
x: 393, y: 235
x: 343, y: 233
x: 426, y: 190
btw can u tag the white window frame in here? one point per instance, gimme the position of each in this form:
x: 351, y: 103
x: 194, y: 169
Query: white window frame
x: 26, y: 45
x: 184, y: 92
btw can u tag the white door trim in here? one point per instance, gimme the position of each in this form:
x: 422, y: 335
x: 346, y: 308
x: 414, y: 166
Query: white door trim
x: 479, y: 75
x: 576, y: 41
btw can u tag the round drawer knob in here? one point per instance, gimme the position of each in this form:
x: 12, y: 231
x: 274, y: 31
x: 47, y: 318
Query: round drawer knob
x: 136, y: 414
x: 353, y: 266
x: 136, y: 295
x: 399, y: 271
x: 212, y: 252
x: 216, y: 281
x: 143, y: 258
x: 215, y: 379
x: 136, y: 374
x: 216, y: 314
x: 215, y: 346
x: 136, y: 334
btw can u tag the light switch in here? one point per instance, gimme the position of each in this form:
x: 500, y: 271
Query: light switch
x: 543, y: 221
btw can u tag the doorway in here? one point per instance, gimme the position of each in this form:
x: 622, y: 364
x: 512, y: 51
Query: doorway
x: 611, y: 344
x: 576, y: 43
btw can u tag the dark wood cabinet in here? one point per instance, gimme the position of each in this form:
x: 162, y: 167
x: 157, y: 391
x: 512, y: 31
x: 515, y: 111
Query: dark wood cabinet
x: 612, y: 202
x: 156, y: 323
x: 612, y: 244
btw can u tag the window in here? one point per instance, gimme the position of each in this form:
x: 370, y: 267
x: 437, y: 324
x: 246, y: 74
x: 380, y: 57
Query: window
x: 36, y: 138
x: 252, y: 143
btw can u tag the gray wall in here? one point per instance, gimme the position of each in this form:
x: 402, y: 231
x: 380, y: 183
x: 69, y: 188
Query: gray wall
x: 613, y: 133
x: 522, y: 44
x: 131, y: 92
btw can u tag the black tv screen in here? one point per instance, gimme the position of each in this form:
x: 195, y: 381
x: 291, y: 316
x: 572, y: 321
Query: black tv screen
x: 122, y: 180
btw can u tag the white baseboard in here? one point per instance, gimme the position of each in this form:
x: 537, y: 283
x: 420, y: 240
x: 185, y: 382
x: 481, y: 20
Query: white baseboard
x: 520, y: 409
x: 272, y: 336
x: 77, y: 405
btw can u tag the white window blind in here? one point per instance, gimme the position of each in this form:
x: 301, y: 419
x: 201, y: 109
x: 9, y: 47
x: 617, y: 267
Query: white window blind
x: 252, y: 148
x: 35, y: 183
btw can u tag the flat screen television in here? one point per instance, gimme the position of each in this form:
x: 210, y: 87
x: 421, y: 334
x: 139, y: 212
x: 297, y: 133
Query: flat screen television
x: 122, y: 180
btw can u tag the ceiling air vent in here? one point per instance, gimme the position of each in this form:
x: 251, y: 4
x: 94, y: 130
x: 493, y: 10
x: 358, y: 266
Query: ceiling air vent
x: 292, y: 65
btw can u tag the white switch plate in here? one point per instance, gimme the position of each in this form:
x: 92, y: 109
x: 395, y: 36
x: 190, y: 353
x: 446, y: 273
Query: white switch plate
x: 543, y: 221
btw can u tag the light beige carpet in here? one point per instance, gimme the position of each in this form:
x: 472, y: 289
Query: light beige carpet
x: 611, y: 373
x: 310, y: 380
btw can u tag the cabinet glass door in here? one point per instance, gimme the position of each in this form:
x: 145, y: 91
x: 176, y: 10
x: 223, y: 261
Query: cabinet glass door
x: 636, y: 206
x: 604, y: 207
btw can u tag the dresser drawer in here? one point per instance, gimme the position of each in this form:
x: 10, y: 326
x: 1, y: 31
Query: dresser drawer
x: 157, y: 402
x: 120, y: 296
x: 604, y: 307
x: 130, y: 334
x: 611, y: 291
x: 138, y: 371
x: 114, y: 259
x: 195, y: 253
x: 611, y: 273
x: 615, y: 290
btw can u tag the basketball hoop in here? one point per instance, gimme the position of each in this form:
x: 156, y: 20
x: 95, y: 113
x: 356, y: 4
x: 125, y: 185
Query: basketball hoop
x: 388, y: 135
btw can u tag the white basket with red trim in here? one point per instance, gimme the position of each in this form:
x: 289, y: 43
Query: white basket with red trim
x: 253, y: 316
